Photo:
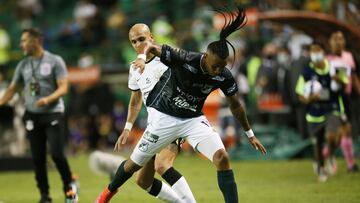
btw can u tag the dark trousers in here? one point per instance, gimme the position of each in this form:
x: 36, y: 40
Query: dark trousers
x: 42, y: 129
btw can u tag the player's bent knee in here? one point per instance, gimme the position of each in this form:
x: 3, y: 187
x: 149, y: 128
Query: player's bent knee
x: 161, y: 166
x: 221, y: 159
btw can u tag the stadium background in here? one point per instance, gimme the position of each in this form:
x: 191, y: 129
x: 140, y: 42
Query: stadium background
x: 92, y: 38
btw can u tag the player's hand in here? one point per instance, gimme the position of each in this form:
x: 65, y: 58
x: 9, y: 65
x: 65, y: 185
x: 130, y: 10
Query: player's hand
x: 139, y: 64
x: 257, y: 144
x: 122, y: 139
x: 42, y: 102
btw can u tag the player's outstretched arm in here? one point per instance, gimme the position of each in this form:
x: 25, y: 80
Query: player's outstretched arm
x: 133, y: 111
x: 239, y: 113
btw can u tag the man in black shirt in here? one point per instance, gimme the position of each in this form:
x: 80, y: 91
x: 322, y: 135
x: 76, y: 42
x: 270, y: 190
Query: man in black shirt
x: 176, y: 104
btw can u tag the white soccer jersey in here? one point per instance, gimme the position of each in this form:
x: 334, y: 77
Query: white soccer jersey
x: 146, y: 81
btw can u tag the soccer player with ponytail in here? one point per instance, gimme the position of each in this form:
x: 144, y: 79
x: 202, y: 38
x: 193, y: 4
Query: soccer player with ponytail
x: 175, y: 108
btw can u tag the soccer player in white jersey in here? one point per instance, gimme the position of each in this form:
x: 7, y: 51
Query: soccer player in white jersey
x: 176, y: 104
x: 141, y: 85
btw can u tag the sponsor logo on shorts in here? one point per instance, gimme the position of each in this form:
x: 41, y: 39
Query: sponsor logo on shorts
x: 29, y: 125
x: 143, y: 146
x: 151, y: 137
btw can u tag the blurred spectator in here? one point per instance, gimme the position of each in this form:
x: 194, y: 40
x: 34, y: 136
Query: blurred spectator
x: 163, y: 31
x: 351, y: 100
x: 91, y: 23
x: 86, y: 60
x: 118, y: 117
x: 313, y: 5
x: 267, y: 75
x: 69, y: 33
x: 78, y: 133
x: 12, y: 132
x: 283, y: 75
x: 84, y: 11
x: 346, y: 11
x: 4, y: 48
x: 313, y: 89
x: 297, y: 107
x: 296, y: 42
x: 26, y: 10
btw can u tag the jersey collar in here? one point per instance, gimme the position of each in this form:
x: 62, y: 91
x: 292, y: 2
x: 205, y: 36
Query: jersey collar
x: 150, y: 60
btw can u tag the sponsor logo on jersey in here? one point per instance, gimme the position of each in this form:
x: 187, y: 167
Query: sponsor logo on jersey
x: 45, y: 69
x: 182, y: 103
x: 190, y: 68
x: 218, y: 78
x: 189, y: 96
x: 143, y: 146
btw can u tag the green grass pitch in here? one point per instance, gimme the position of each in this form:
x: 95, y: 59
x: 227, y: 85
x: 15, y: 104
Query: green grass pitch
x: 257, y: 181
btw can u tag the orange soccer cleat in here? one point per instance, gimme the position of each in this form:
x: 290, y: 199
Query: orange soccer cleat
x: 105, y: 196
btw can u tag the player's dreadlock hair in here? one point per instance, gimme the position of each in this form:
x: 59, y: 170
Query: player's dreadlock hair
x: 235, y: 21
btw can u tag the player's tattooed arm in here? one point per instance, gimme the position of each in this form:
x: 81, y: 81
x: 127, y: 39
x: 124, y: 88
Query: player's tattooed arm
x: 238, y: 111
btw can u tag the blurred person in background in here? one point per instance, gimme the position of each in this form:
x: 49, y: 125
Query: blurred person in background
x: 267, y: 75
x: 346, y: 10
x: 297, y: 106
x: 26, y: 11
x: 4, y: 49
x: 12, y: 132
x: 339, y: 55
x: 43, y: 78
x: 314, y: 90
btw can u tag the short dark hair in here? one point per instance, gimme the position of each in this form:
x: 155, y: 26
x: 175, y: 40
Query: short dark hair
x: 318, y: 43
x: 237, y: 21
x: 34, y: 32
